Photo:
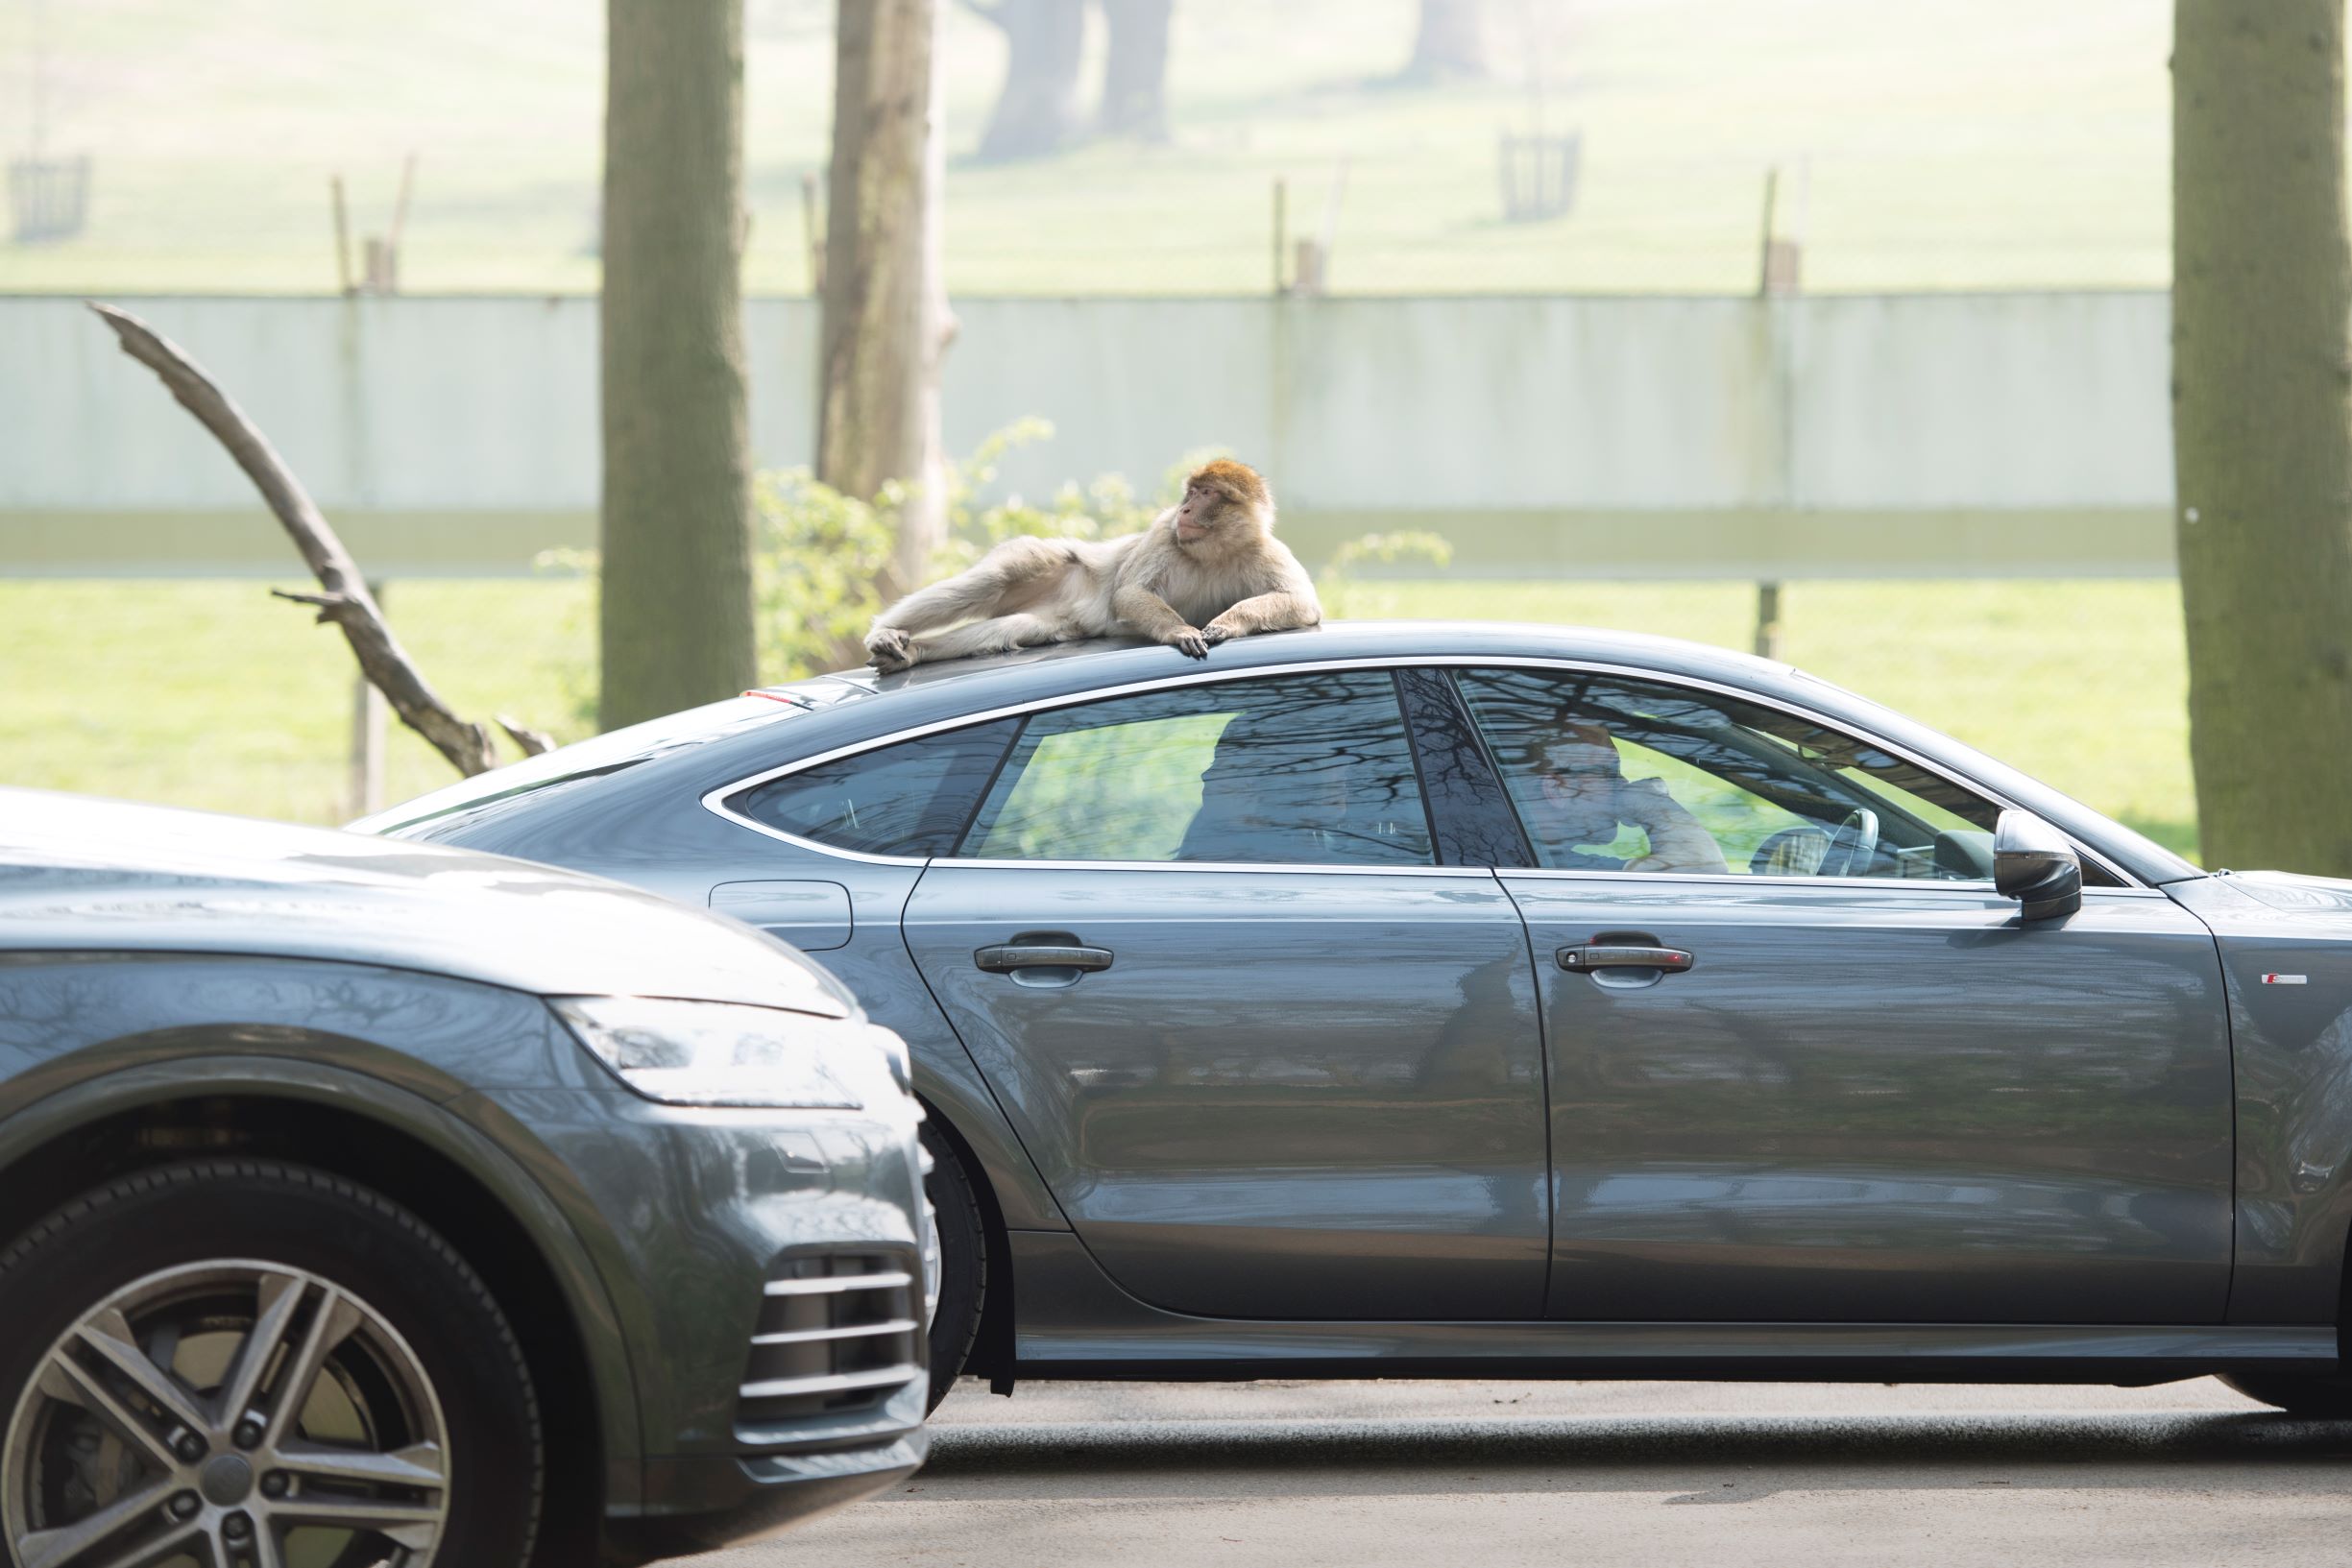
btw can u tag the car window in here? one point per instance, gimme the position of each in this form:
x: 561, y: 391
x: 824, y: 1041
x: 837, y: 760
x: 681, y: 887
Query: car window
x: 1295, y: 769
x: 911, y: 799
x: 606, y: 753
x: 1622, y: 775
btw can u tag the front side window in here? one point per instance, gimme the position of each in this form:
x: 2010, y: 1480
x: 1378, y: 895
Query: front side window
x: 1297, y: 769
x: 1610, y: 774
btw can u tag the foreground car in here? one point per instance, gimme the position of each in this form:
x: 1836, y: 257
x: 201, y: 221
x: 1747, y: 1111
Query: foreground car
x: 364, y: 1202
x: 1429, y: 999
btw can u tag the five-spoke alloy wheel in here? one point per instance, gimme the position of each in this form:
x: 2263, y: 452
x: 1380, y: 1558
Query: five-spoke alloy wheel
x: 258, y: 1367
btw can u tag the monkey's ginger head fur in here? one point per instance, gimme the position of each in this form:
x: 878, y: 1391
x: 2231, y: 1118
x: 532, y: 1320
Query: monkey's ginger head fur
x: 1226, y: 505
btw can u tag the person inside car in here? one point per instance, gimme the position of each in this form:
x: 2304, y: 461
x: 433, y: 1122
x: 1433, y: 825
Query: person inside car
x: 1583, y: 801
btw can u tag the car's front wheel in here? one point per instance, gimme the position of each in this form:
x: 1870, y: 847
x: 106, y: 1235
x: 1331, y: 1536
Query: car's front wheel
x: 2315, y: 1398
x: 246, y: 1362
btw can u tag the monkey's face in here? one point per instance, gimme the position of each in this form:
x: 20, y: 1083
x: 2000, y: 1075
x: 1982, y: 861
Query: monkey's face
x: 1199, y: 513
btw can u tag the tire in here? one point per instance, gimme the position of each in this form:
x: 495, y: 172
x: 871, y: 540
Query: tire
x: 2312, y: 1398
x: 197, y: 1258
x: 963, y: 1263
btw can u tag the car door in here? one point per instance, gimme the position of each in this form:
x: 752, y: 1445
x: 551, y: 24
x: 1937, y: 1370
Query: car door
x: 1873, y: 1094
x: 1274, y: 1059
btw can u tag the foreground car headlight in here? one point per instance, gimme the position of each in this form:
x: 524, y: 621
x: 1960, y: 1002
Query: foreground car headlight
x: 722, y: 1053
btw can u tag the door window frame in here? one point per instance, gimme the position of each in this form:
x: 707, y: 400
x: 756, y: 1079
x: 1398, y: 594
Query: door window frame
x: 715, y: 801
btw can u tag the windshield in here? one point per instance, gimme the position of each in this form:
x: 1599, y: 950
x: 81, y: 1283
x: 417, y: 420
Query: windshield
x: 610, y: 752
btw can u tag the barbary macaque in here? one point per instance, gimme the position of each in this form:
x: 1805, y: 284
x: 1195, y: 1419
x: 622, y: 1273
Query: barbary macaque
x: 1208, y: 568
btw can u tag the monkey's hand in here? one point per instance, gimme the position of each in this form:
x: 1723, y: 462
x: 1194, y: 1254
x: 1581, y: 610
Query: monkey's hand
x: 1217, y: 629
x: 1188, y: 640
x: 890, y: 650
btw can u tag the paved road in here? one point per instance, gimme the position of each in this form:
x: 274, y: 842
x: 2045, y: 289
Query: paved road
x: 1656, y: 1474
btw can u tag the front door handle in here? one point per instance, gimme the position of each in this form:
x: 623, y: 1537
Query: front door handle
x: 1004, y: 959
x: 1585, y: 958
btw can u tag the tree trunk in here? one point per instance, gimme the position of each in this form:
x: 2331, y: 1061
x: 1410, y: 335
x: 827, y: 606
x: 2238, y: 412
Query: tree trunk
x: 1037, y: 112
x: 1136, y: 70
x: 1450, y: 44
x: 2262, y: 426
x: 676, y: 621
x: 884, y: 305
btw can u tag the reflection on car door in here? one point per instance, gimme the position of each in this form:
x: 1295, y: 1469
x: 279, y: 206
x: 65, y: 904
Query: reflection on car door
x: 1273, y: 1060
x: 1873, y: 1097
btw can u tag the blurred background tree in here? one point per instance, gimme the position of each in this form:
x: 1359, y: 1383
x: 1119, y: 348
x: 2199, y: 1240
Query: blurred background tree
x: 675, y: 619
x: 886, y: 320
x: 2262, y: 425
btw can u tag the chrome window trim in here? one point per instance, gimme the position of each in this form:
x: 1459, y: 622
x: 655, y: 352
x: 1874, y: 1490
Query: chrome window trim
x: 715, y: 800
x: 1916, y: 884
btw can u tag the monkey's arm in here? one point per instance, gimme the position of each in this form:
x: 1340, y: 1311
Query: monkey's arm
x: 1147, y: 613
x: 1277, y: 612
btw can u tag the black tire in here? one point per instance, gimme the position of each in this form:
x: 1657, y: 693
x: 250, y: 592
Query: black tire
x: 2312, y: 1398
x: 963, y: 1263
x: 141, y: 1226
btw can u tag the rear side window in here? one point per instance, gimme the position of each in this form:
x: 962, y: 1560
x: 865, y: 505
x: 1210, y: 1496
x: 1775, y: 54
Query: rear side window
x: 911, y: 799
x: 1296, y: 769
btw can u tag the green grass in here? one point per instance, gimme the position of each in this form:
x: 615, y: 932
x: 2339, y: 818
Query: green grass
x: 1950, y: 144
x: 211, y: 694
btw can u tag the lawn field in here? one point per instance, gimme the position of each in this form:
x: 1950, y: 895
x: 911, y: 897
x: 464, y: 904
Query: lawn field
x: 1930, y: 144
x: 211, y: 694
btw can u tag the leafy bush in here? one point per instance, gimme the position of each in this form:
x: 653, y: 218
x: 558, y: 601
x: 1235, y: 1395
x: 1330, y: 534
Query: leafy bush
x: 819, y: 557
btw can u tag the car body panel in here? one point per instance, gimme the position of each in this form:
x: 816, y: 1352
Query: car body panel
x: 812, y: 916
x: 2293, y: 1045
x: 156, y: 961
x: 202, y: 1061
x: 1076, y: 1323
x: 630, y: 825
x: 1233, y: 1123
x: 2121, y: 1248
x: 158, y: 881
x: 1896, y: 1104
x: 684, y: 1209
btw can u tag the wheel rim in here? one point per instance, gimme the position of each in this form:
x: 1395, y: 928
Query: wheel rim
x: 934, y: 1259
x: 228, y: 1413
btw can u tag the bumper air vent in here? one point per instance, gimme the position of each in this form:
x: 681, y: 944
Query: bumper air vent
x: 839, y: 1356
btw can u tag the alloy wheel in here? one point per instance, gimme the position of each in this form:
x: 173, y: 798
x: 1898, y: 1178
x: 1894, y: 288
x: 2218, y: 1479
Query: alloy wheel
x: 228, y: 1413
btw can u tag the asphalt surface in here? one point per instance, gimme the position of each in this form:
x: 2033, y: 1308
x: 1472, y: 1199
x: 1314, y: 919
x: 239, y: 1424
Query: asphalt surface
x: 1656, y: 1474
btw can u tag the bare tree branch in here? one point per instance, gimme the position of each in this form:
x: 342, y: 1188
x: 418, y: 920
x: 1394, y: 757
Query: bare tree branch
x: 534, y: 742
x: 345, y: 600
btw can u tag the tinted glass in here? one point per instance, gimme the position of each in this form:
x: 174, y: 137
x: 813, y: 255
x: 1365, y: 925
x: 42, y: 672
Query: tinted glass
x: 1297, y: 769
x: 1616, y: 775
x: 909, y: 799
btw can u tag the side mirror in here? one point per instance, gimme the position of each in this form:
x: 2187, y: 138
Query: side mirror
x: 2034, y: 864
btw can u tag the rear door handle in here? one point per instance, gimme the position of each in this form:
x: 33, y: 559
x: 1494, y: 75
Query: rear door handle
x: 1004, y: 959
x: 1591, y: 956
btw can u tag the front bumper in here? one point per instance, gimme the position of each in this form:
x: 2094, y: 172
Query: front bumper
x: 765, y: 1273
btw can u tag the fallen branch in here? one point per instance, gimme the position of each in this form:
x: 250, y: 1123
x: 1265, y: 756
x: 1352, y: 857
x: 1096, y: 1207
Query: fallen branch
x: 345, y: 599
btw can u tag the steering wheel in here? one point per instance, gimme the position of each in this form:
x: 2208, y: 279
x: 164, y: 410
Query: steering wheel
x: 1852, y: 845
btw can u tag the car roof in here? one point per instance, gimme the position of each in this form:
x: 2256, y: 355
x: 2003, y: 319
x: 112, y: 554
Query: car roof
x: 850, y: 710
x: 1114, y: 660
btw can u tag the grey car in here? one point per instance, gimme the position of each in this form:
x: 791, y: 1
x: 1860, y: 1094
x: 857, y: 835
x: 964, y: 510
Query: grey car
x: 364, y: 1202
x: 1424, y: 999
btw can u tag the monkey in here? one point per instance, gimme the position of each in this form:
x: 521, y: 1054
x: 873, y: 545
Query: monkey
x: 1206, y: 569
